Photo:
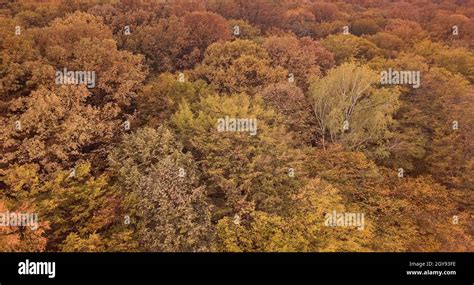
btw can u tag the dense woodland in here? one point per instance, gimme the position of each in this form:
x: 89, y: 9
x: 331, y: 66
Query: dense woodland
x: 136, y: 163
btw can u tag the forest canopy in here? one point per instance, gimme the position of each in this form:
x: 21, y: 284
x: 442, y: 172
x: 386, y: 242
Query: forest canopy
x: 237, y: 125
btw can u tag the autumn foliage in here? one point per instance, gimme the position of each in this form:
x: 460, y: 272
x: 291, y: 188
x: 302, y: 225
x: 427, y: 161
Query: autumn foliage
x: 140, y: 161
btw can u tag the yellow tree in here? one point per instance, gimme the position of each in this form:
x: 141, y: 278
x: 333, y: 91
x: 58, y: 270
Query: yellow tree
x: 352, y: 110
x: 238, y: 66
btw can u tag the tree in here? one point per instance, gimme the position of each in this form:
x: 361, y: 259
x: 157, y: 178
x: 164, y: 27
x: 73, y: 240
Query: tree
x: 304, y: 58
x: 74, y: 243
x: 19, y: 60
x: 69, y: 203
x: 420, y: 141
x: 290, y: 102
x: 160, y: 182
x: 349, y: 47
x: 408, y: 144
x: 350, y: 110
x: 401, y: 209
x: 53, y: 124
x: 236, y: 125
x: 403, y: 10
x: 81, y: 42
x: 442, y: 23
x: 238, y: 66
x: 364, y: 27
x: 458, y: 60
x: 31, y: 15
x: 388, y: 42
x: 21, y: 238
x: 303, y: 230
x: 78, y: 205
x: 19, y: 187
x: 203, y: 29
x: 325, y: 29
x: 249, y: 167
x: 163, y: 43
x: 245, y: 30
x: 182, y: 7
x: 447, y: 95
x: 299, y: 21
x: 55, y: 127
x: 432, y: 208
x: 160, y: 97
x: 167, y: 200
x: 409, y: 31
x: 325, y: 12
x: 117, y: 18
x: 260, y: 13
